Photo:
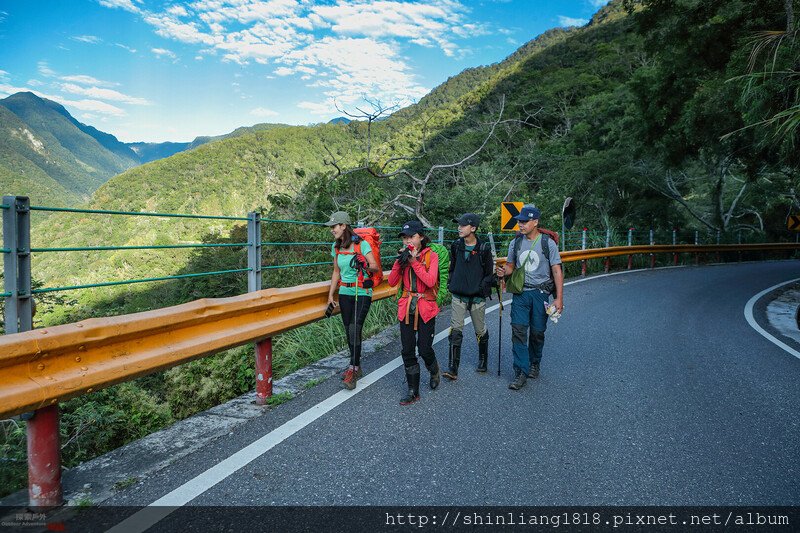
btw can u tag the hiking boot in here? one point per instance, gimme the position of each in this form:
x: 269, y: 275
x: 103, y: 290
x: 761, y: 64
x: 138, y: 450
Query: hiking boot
x: 359, y: 372
x: 350, y: 379
x: 533, y: 373
x: 483, y: 352
x: 413, y: 387
x: 455, y: 360
x: 518, y: 382
x: 435, y: 376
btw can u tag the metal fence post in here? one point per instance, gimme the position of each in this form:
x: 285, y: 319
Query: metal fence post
x: 263, y: 349
x: 719, y: 259
x: 441, y: 235
x: 739, y: 239
x: 254, y: 252
x: 652, y: 242
x: 608, y: 245
x: 583, y: 247
x: 674, y: 243
x: 630, y: 243
x: 697, y: 243
x: 42, y: 427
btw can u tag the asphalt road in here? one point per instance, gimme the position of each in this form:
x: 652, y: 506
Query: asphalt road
x: 654, y: 391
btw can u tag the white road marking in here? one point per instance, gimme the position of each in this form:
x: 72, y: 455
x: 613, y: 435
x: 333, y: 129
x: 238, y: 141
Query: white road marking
x: 748, y: 315
x: 164, y: 506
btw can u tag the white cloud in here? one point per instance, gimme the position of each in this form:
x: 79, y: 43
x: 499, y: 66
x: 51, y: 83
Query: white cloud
x: 127, y: 5
x: 44, y: 69
x: 347, y: 48
x: 94, y: 106
x: 326, y: 108
x: 103, y: 94
x: 261, y: 112
x: 178, y: 11
x: 163, y: 52
x: 3, y: 74
x: 90, y: 39
x: 35, y: 83
x: 128, y: 48
x: 569, y: 21
x: 83, y: 79
x: 598, y: 3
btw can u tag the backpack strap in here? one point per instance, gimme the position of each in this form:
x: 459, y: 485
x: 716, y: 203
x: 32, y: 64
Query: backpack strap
x: 546, y: 248
x: 517, y: 241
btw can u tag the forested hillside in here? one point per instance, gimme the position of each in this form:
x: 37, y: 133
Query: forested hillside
x: 628, y: 115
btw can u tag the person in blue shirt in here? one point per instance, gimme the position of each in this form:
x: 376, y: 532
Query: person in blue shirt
x: 351, y: 256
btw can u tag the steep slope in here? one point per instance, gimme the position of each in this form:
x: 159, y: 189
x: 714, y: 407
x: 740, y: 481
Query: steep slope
x: 19, y: 173
x: 72, y: 156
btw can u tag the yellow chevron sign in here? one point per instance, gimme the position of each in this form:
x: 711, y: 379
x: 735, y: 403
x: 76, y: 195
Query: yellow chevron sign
x: 793, y: 222
x: 508, y: 210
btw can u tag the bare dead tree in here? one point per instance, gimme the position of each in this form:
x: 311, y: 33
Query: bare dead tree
x: 413, y: 202
x: 714, y: 215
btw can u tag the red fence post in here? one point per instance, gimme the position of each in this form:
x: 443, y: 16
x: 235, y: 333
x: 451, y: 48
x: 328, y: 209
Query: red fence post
x: 44, y: 459
x: 263, y: 371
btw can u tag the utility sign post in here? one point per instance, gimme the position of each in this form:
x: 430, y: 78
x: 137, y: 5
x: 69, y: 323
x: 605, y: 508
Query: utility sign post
x: 793, y: 222
x: 508, y: 210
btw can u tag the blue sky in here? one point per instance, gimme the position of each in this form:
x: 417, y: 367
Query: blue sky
x: 148, y: 70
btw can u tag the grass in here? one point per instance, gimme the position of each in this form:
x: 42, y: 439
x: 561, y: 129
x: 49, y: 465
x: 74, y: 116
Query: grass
x: 125, y: 483
x: 278, y: 399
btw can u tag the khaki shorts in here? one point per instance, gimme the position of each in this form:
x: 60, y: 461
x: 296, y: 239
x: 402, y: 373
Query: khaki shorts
x: 459, y: 313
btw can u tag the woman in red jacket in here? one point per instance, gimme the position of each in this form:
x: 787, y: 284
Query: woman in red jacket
x: 417, y: 268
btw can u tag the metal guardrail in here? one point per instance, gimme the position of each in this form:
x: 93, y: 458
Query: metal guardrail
x: 42, y: 367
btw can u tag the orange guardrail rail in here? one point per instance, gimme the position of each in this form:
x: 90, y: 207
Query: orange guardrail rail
x: 42, y: 367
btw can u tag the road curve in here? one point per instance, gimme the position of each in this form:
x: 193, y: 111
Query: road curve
x: 654, y: 391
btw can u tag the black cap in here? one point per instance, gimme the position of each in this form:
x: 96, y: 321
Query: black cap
x: 412, y: 227
x: 468, y: 219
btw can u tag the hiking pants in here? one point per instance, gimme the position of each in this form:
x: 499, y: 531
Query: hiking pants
x: 528, y: 313
x: 353, y: 315
x: 421, y: 339
x: 458, y: 314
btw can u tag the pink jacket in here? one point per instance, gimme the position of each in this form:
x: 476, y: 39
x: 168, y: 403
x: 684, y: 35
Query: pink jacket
x: 426, y: 280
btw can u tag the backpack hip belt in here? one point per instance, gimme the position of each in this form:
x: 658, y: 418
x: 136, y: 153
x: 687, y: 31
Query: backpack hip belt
x: 427, y: 295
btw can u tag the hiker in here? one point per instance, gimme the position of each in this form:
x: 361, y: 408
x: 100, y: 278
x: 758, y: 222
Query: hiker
x: 353, y: 260
x: 417, y: 268
x: 470, y: 281
x: 542, y: 276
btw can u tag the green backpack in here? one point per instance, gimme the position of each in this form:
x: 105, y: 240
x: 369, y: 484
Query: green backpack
x: 444, y: 272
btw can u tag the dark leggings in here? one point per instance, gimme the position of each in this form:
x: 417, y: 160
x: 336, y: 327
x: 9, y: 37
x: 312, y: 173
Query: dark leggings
x: 353, y: 324
x: 422, y: 339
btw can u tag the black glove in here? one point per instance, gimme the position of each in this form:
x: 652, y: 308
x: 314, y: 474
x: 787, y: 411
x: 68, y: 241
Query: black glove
x: 404, y: 257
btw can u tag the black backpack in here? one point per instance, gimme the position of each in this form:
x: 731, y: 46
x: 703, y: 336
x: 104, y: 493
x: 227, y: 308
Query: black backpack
x: 549, y: 286
x: 489, y: 280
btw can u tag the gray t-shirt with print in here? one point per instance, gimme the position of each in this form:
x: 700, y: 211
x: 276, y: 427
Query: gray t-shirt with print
x: 537, y: 268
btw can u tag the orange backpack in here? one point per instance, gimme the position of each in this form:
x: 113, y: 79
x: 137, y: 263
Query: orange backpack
x: 372, y: 236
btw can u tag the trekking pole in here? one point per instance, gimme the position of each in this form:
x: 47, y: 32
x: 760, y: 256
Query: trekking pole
x: 500, y: 290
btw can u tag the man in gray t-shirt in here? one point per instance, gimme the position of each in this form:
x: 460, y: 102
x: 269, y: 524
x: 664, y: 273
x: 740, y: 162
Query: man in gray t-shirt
x: 528, y: 314
x: 537, y: 268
